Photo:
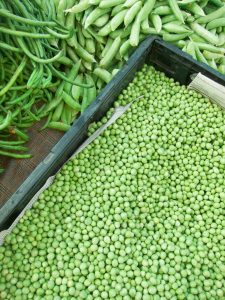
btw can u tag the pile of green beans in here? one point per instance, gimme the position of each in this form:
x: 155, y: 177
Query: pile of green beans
x: 109, y: 30
x: 36, y: 79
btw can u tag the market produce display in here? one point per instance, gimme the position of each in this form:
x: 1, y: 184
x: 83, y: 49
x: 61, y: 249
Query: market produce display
x: 36, y: 76
x: 138, y: 214
x: 57, y: 55
x: 117, y: 27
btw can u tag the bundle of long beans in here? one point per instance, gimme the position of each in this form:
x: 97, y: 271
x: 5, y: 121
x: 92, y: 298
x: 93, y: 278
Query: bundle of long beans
x: 32, y: 66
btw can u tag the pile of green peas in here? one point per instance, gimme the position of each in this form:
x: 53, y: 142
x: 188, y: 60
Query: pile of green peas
x: 138, y: 214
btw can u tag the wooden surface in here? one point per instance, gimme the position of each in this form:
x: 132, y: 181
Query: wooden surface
x: 17, y: 170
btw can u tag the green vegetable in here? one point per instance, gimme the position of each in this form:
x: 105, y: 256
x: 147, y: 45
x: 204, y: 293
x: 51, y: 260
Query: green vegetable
x: 207, y: 35
x: 176, y: 10
x: 138, y: 214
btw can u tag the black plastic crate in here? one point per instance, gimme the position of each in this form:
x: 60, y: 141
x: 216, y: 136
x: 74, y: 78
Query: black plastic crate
x: 154, y: 51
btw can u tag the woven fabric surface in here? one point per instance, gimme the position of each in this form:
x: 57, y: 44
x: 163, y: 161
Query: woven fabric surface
x: 17, y: 170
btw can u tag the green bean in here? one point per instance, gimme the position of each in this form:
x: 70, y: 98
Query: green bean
x: 28, y: 104
x: 81, y: 6
x: 160, y: 3
x: 176, y: 10
x: 221, y: 39
x: 94, y: 15
x: 33, y: 77
x: 10, y: 142
x: 146, y: 10
x: 91, y: 93
x: 221, y: 68
x: 175, y: 28
x: 169, y: 37
x: 70, y: 101
x: 180, y: 44
x: 59, y: 35
x: 6, y: 122
x: 162, y: 10
x: 118, y: 20
x: 33, y: 117
x: 132, y: 12
x: 157, y: 22
x: 65, y: 61
x: 151, y: 30
x: 110, y: 3
x: 103, y: 74
x: 99, y: 39
x: 114, y: 72
x: 13, y: 147
x: 209, y: 47
x: 84, y: 54
x: 145, y: 25
x: 135, y: 32
x: 107, y: 46
x: 211, y: 55
x: 168, y: 19
x: 124, y: 48
x: 207, y: 35
x: 9, y: 47
x: 59, y: 126
x: 14, y: 77
x: 107, y: 59
x: 100, y: 22
x: 104, y: 31
x: 116, y: 10
x: 25, y: 34
x: 90, y: 45
x: 72, y: 76
x: 8, y: 14
x: 56, y: 100
x: 86, y: 34
x: 212, y: 64
x: 199, y: 55
x: 85, y: 15
x: 71, y: 53
x: 190, y: 49
x: 47, y: 122
x: 88, y: 65
x: 212, y: 16
x: 122, y: 33
x: 70, y: 21
x: 195, y: 9
x: 20, y: 98
x: 20, y: 133
x: 77, y: 90
x: 72, y: 42
x: 80, y: 37
x: 196, y: 38
x: 129, y: 3
x: 14, y: 155
x: 60, y: 75
x: 66, y: 115
x: 58, y: 112
x: 216, y: 23
x: 35, y: 58
x: 84, y: 104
